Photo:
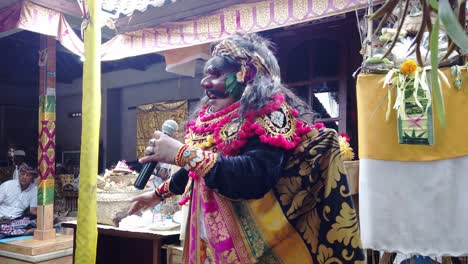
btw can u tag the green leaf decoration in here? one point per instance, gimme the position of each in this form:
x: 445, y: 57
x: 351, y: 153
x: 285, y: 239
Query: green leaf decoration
x: 233, y: 87
x: 230, y: 82
x: 452, y: 26
x: 437, y: 90
x: 434, y: 4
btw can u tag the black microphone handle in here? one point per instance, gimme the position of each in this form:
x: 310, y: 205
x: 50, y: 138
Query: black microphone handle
x: 144, y: 175
x: 147, y: 170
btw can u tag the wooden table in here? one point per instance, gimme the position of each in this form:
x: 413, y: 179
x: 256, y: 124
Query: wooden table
x: 174, y: 254
x: 139, y: 245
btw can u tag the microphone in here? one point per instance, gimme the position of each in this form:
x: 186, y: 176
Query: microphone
x: 169, y: 127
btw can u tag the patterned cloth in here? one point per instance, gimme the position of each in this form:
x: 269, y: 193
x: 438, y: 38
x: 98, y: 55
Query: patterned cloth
x: 411, y: 196
x: 15, y: 227
x: 314, y: 195
x: 150, y: 117
x: 308, y: 217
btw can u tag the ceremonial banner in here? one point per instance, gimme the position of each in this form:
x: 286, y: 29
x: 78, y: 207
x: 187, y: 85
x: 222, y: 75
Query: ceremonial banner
x: 28, y: 16
x: 52, y: 23
x: 378, y: 139
x: 412, y: 198
x: 247, y: 17
x: 150, y: 117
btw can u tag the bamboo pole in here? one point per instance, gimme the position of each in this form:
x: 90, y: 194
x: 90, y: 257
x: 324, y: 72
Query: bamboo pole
x: 86, y: 240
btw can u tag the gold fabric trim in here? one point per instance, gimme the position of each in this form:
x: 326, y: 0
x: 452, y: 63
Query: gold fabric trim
x: 150, y: 117
x: 279, y: 122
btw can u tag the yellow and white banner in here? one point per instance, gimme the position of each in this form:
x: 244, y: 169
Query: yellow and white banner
x: 412, y: 198
x: 414, y: 207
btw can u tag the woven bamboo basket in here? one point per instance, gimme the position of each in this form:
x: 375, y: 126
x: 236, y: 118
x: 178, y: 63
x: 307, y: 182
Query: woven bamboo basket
x: 127, y: 179
x: 112, y: 203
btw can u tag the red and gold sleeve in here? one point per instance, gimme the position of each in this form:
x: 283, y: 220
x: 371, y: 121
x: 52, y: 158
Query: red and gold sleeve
x: 163, y: 191
x: 195, y: 160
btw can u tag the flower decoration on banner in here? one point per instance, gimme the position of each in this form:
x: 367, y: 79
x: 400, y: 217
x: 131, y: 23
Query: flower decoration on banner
x: 408, y: 67
x: 430, y: 31
x: 413, y: 101
x: 411, y: 83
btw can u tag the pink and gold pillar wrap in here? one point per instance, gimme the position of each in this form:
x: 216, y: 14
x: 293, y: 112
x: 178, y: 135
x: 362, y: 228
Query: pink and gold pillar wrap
x: 46, y: 144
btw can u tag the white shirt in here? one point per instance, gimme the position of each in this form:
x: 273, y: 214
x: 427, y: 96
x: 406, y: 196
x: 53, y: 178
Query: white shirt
x: 13, y: 201
x: 16, y: 173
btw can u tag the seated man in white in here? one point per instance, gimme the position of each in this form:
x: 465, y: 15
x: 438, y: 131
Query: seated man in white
x: 18, y: 195
x: 18, y: 160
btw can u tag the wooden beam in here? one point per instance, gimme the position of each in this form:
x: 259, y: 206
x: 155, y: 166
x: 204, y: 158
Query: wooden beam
x: 63, y: 6
x: 171, y: 12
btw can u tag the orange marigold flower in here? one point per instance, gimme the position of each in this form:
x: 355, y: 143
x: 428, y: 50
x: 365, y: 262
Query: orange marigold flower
x: 408, y: 67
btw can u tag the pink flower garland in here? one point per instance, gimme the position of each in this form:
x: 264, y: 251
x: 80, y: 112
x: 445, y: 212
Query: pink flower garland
x: 280, y: 140
x: 184, y: 200
x: 319, y: 126
x: 248, y: 129
x: 345, y: 136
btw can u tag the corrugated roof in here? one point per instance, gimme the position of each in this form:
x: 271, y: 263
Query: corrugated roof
x: 128, y: 7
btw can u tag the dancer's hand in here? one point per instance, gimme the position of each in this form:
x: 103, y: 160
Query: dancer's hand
x: 144, y: 201
x: 161, y: 148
